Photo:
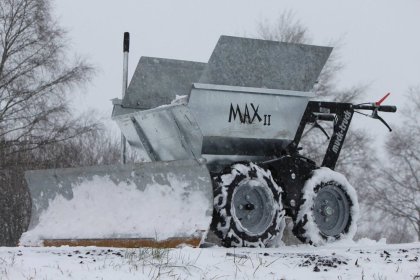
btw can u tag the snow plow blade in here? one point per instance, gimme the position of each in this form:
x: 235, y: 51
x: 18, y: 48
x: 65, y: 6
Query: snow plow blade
x: 154, y: 204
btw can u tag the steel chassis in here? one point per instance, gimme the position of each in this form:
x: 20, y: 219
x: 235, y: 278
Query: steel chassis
x: 290, y: 170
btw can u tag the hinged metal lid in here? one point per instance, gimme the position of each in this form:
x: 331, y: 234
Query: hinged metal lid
x: 157, y: 81
x: 257, y: 63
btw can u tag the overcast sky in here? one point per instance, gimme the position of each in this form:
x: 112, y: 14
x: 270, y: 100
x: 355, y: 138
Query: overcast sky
x: 380, y: 39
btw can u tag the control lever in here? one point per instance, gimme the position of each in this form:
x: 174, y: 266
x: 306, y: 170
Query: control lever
x: 375, y: 115
x: 376, y: 107
x: 317, y: 125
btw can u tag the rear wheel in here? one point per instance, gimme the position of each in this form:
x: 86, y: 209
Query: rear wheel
x: 247, y: 207
x: 329, y: 211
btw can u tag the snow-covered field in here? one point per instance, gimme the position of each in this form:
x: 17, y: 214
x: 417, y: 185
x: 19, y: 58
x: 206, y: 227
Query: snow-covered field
x: 364, y: 259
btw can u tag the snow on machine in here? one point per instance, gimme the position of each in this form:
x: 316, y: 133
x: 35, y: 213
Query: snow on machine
x: 219, y: 144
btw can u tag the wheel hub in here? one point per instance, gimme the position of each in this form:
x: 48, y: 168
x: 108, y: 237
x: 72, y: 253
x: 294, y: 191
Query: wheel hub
x: 249, y: 206
x: 253, y: 206
x: 331, y: 210
x: 327, y: 211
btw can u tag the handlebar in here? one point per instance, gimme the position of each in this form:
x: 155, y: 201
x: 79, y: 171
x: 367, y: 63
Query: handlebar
x: 328, y: 111
x: 381, y: 108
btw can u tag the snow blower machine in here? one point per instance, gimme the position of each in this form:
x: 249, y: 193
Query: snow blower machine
x: 218, y: 149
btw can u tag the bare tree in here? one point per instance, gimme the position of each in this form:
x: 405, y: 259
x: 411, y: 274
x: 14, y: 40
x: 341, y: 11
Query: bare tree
x: 35, y: 78
x: 14, y: 206
x: 93, y: 148
x: 286, y: 29
x: 396, y: 190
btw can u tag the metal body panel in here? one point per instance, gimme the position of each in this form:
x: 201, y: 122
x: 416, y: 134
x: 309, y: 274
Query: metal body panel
x: 264, y: 64
x: 132, y: 136
x: 218, y: 120
x: 263, y: 120
x: 167, y: 133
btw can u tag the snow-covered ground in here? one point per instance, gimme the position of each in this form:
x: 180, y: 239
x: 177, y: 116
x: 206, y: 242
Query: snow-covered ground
x: 364, y: 259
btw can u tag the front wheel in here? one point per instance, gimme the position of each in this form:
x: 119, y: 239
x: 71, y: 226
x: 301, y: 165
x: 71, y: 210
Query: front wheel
x: 247, y: 207
x: 330, y: 209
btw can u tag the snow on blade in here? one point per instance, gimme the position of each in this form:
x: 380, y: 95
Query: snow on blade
x: 102, y: 209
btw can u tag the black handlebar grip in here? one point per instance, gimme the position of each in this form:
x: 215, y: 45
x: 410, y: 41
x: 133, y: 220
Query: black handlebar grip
x: 126, y: 45
x: 382, y: 108
x: 387, y: 108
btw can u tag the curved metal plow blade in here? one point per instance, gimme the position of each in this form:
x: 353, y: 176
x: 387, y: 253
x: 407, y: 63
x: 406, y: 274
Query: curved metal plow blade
x: 163, y: 203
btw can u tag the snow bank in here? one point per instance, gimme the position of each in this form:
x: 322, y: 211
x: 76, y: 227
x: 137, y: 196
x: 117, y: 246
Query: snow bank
x: 102, y: 209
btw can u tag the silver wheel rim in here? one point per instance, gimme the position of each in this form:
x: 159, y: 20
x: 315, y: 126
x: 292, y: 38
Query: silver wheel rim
x: 253, y: 206
x: 331, y: 210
